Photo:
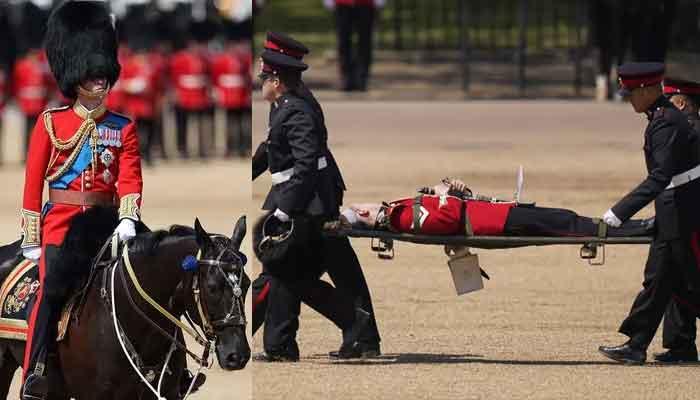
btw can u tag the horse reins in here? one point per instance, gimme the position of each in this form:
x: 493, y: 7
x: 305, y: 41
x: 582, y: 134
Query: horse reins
x: 209, y: 327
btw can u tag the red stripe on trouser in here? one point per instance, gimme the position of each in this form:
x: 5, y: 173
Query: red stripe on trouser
x: 261, y: 297
x: 34, y: 314
x: 687, y: 304
x: 696, y: 248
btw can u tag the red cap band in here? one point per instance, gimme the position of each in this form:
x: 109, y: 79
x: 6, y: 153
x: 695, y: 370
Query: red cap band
x: 673, y: 89
x: 270, y: 45
x: 640, y: 81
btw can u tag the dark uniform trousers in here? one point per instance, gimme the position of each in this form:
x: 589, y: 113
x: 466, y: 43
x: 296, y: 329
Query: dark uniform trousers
x: 355, y: 65
x: 336, y: 257
x: 672, y: 266
x: 679, y: 320
x: 56, y: 285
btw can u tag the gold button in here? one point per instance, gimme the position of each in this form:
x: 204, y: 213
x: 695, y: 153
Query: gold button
x: 88, y: 185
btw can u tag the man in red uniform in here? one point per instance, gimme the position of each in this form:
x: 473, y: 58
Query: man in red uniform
x: 31, y: 89
x: 140, y: 84
x: 88, y: 155
x: 232, y: 86
x: 30, y: 77
x: 190, y: 76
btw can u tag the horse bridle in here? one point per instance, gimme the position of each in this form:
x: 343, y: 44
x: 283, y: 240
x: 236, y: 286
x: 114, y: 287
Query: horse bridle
x: 236, y: 315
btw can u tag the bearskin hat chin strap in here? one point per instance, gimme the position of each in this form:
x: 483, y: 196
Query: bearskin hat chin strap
x: 94, y: 94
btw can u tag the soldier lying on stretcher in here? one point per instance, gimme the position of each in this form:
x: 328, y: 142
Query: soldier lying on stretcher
x: 450, y: 208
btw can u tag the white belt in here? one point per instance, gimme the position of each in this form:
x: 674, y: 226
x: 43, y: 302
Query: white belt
x: 684, y: 177
x: 284, y: 176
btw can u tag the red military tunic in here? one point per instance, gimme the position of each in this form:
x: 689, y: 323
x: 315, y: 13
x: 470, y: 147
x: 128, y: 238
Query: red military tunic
x: 231, y: 81
x: 188, y: 72
x: 448, y: 215
x: 140, y: 84
x: 111, y: 166
x: 31, y: 84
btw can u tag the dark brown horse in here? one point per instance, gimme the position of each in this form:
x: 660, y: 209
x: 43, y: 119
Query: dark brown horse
x: 185, y: 271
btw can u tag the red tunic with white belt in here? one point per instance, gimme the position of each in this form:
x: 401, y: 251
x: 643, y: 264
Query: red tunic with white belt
x: 31, y: 84
x: 231, y: 81
x: 188, y: 72
x: 75, y: 150
x: 139, y: 82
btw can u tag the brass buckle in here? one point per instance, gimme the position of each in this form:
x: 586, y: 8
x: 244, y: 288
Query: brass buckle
x: 589, y: 252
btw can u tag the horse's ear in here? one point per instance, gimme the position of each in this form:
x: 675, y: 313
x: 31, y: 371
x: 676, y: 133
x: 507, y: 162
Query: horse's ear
x: 238, y: 233
x: 203, y: 239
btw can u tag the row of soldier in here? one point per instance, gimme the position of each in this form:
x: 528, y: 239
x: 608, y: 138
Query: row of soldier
x: 203, y: 70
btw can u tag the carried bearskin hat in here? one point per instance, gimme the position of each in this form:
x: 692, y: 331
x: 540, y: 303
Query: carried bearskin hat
x: 81, y: 43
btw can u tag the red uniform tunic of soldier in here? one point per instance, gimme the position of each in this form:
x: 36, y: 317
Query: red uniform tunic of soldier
x: 31, y: 84
x: 448, y: 215
x: 188, y: 71
x: 230, y: 78
x: 140, y: 84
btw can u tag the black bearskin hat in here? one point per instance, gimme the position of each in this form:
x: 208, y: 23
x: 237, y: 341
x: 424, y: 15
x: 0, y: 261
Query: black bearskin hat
x: 81, y: 43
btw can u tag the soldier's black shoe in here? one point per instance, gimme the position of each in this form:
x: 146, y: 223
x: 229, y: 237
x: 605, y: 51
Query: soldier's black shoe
x: 350, y: 345
x: 676, y: 356
x: 265, y: 356
x: 36, y: 387
x: 625, y: 353
x: 187, y: 381
x: 284, y: 353
x: 358, y: 350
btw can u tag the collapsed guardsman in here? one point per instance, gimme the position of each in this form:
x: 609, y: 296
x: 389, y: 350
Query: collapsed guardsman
x: 88, y: 155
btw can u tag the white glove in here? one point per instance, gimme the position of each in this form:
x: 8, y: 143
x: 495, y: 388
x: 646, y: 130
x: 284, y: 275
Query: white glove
x: 611, y: 219
x: 32, y: 253
x: 126, y: 230
x: 281, y: 215
x: 329, y: 4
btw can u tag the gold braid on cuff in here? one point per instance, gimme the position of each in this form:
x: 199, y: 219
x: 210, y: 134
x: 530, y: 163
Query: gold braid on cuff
x: 129, y: 207
x: 31, y: 225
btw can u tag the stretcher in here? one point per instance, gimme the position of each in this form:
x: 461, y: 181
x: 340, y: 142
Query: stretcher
x: 463, y: 263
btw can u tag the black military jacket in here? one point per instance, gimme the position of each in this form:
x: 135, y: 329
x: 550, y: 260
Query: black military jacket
x: 297, y: 138
x: 668, y: 152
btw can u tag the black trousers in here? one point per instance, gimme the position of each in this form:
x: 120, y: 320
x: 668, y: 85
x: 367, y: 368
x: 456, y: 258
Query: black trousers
x: 355, y: 62
x: 679, y: 324
x: 280, y: 310
x: 543, y: 221
x: 182, y: 116
x: 238, y: 132
x: 669, y: 269
x: 56, y: 286
x: 146, y: 130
